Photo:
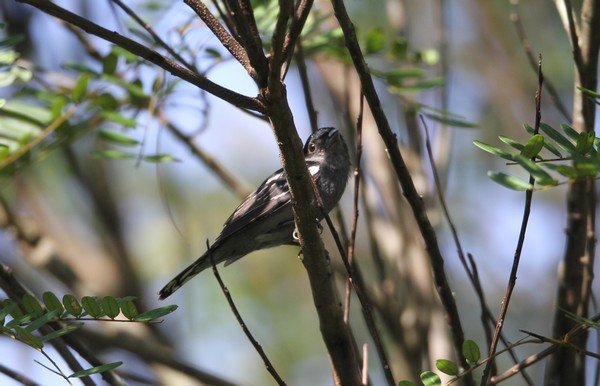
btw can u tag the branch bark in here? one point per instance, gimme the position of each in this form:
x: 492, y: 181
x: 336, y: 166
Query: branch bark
x: 567, y: 367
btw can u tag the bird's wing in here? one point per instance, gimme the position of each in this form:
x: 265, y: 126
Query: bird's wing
x: 272, y: 195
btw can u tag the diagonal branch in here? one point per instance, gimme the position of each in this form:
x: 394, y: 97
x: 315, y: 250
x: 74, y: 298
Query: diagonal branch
x: 408, y: 187
x: 150, y: 55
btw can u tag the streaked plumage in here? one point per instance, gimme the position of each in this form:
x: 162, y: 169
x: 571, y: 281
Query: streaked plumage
x: 265, y: 218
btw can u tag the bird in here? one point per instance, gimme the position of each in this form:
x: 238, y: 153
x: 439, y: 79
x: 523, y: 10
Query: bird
x: 265, y: 218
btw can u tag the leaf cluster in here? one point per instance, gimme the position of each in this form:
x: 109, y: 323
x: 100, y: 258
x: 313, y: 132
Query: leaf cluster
x: 572, y: 155
x: 471, y: 353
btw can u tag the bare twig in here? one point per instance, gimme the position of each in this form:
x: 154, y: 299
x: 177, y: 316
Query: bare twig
x: 353, y: 227
x: 405, y: 179
x: 516, y: 19
x: 149, y: 54
x: 154, y: 35
x: 517, y: 257
x: 21, y: 378
x: 243, y: 325
x: 487, y: 318
x: 239, y: 188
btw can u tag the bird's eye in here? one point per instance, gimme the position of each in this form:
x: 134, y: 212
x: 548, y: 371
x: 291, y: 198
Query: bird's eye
x: 312, y: 147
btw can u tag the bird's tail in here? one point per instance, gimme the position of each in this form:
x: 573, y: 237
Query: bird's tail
x: 195, y: 268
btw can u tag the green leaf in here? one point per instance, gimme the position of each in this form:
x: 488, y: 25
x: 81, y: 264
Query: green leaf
x: 51, y: 301
x: 28, y: 338
x: 374, y: 40
x: 557, y: 137
x: 110, y: 306
x: 96, y: 370
x: 32, y: 306
x: 90, y: 305
x: 8, y: 308
x: 446, y: 366
x: 540, y: 175
x: 12, y: 40
x: 72, y: 305
x: 471, y: 352
x: 159, y: 158
x: 569, y: 131
x: 79, y: 67
x: 117, y: 117
x: 155, y: 314
x: 429, y: 378
x: 585, y: 142
x: 454, y: 122
x: 533, y: 146
x: 78, y: 92
x: 109, y: 63
x: 511, y: 142
x: 63, y: 331
x: 41, y: 321
x: 405, y: 383
x: 494, y: 150
x: 129, y: 309
x: 547, y: 144
x: 508, y: 181
x: 565, y: 170
x: 111, y: 154
x: 116, y: 138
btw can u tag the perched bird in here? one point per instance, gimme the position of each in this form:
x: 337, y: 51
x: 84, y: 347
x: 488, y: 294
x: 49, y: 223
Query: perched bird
x: 265, y: 218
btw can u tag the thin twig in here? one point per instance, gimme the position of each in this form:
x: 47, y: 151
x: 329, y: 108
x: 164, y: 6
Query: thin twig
x: 532, y: 359
x: 487, y: 318
x: 239, y: 188
x: 154, y: 35
x: 243, y: 325
x: 304, y: 80
x: 516, y: 19
x: 354, y: 225
x: 149, y: 54
x: 517, y: 257
x: 21, y: 378
x: 358, y: 285
x: 408, y: 187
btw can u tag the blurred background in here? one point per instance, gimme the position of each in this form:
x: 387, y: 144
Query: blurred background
x: 108, y: 224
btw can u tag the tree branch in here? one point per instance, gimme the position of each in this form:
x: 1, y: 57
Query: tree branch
x: 150, y: 55
x: 408, y: 187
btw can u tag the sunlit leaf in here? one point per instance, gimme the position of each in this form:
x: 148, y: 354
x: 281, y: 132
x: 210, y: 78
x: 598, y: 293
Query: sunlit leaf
x: 537, y: 172
x: 471, y: 352
x: 446, y: 366
x: 429, y: 378
x: 158, y: 158
x: 585, y: 142
x: 118, y: 138
x: 80, y: 88
x: 557, y: 137
x: 533, y: 146
x: 111, y: 154
x: 494, y: 150
x: 509, y: 181
x: 511, y: 142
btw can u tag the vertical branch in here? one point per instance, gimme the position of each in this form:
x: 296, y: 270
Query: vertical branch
x: 567, y: 367
x: 517, y: 258
x: 405, y: 179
